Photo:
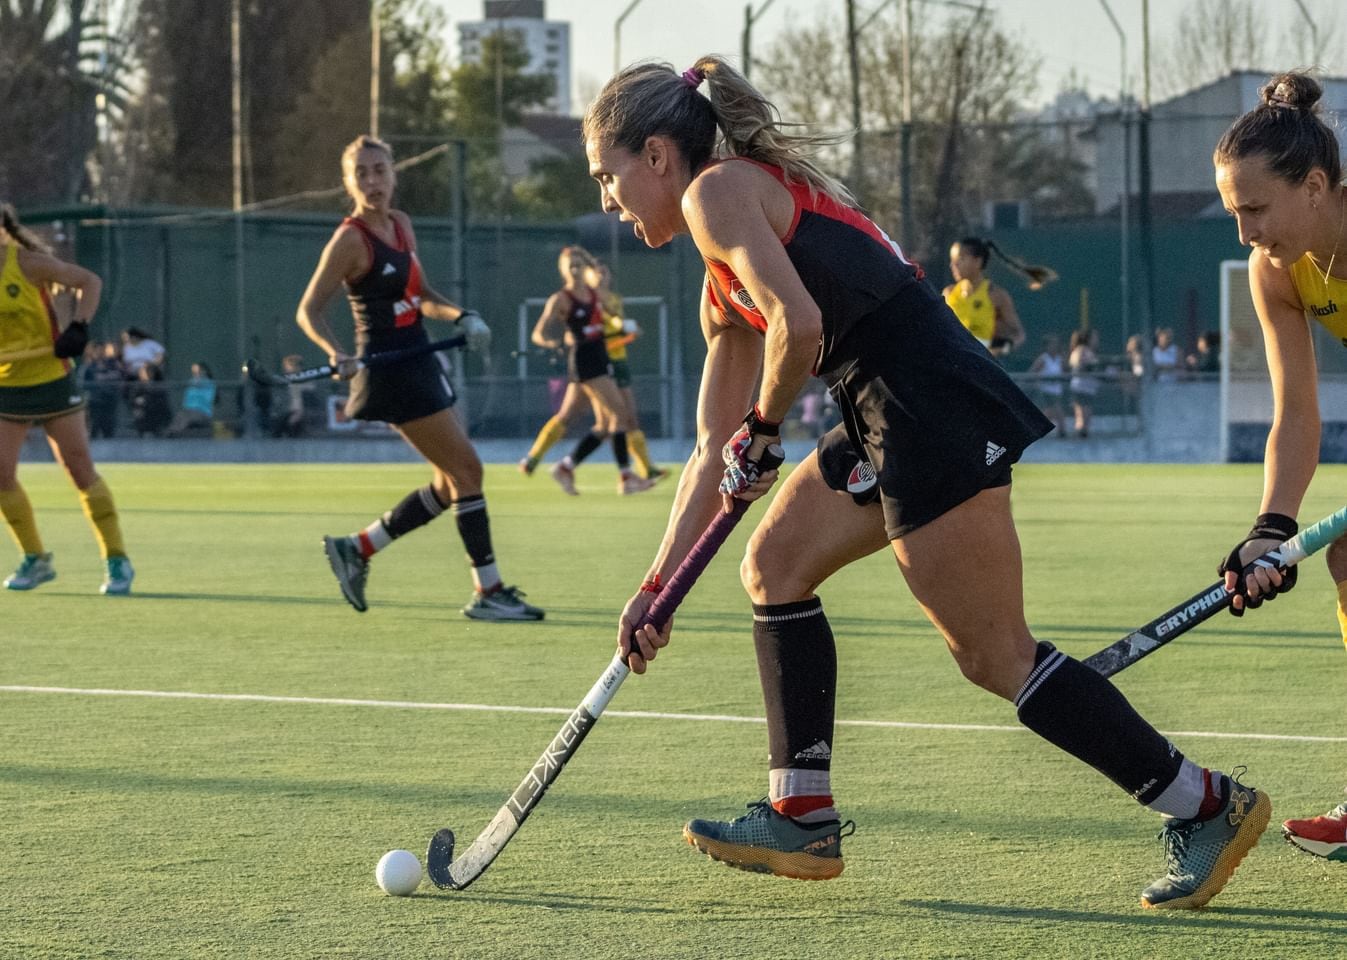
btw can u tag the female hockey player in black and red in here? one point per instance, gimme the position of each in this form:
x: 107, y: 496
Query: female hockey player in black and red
x: 800, y: 282
x: 373, y: 254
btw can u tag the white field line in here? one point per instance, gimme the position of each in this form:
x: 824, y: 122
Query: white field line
x: 562, y: 711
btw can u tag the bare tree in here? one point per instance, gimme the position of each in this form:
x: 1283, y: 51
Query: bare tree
x: 1217, y: 37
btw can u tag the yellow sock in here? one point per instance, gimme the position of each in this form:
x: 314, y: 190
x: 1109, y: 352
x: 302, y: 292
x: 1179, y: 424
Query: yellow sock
x: 639, y: 452
x: 552, y: 431
x: 102, y: 513
x: 19, y: 515
x: 1342, y: 609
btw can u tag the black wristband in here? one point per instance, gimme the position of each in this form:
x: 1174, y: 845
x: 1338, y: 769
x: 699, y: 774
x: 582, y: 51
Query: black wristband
x: 760, y: 426
x: 1272, y: 525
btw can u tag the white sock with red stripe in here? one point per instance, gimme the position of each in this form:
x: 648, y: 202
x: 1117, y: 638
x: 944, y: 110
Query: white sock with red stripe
x: 372, y: 539
x: 803, y: 795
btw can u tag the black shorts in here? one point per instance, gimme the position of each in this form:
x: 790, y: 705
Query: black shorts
x: 588, y: 360
x: 400, y: 392
x: 41, y: 401
x: 929, y: 418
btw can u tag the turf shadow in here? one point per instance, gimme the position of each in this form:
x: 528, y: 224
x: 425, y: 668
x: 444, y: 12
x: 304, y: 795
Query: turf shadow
x: 1261, y: 919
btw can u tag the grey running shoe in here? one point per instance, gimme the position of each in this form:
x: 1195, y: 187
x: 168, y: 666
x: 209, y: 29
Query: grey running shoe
x: 502, y: 603
x: 764, y: 841
x: 1201, y: 855
x: 629, y: 483
x: 117, y: 579
x: 564, y: 474
x: 34, y: 569
x: 350, y: 568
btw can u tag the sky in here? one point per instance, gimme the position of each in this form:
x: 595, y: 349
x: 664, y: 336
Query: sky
x: 1070, y: 35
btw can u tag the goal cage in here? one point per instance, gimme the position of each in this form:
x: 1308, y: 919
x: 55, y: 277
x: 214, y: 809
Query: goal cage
x: 1246, y: 392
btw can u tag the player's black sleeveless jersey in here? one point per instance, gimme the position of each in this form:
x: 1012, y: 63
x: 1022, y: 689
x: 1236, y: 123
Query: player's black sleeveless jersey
x: 386, y: 301
x: 589, y: 352
x: 848, y: 264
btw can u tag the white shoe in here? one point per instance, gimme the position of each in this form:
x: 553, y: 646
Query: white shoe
x: 34, y: 569
x: 117, y: 582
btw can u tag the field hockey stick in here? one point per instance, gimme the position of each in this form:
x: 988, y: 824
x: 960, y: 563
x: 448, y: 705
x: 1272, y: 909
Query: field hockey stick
x: 259, y: 374
x: 450, y: 874
x: 1207, y: 603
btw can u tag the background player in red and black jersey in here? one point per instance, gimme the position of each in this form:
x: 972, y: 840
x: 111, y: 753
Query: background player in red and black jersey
x: 800, y: 282
x: 572, y: 319
x: 373, y: 254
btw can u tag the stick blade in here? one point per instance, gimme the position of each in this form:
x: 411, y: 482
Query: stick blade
x: 439, y: 858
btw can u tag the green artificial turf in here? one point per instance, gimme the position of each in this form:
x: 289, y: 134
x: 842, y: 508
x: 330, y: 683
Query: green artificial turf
x: 171, y: 827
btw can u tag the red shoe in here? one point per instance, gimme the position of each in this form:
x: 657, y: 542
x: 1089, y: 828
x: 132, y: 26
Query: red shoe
x: 1324, y: 836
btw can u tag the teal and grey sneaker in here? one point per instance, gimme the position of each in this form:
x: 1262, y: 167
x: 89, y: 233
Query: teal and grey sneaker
x: 502, y: 603
x: 350, y: 568
x: 117, y: 580
x: 764, y: 841
x: 34, y: 569
x: 1201, y: 855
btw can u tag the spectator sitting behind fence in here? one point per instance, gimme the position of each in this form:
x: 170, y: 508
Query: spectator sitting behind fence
x: 102, y: 379
x: 1049, y: 371
x: 1207, y: 359
x: 293, y: 424
x: 1165, y: 355
x: 196, y: 416
x: 139, y: 349
x: 148, y: 397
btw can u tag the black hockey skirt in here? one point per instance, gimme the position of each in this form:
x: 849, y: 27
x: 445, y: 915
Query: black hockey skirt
x: 400, y: 392
x: 929, y: 419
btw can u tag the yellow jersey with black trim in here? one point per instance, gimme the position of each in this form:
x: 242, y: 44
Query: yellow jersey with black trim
x: 613, y: 333
x: 27, y: 323
x: 973, y: 306
x: 1324, y: 300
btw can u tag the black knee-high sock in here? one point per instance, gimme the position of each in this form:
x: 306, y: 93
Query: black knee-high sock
x: 587, y: 445
x: 797, y: 664
x: 475, y: 528
x: 417, y: 509
x: 1074, y: 708
x: 620, y: 453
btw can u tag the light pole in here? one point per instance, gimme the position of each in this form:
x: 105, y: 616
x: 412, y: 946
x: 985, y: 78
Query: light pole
x: 1125, y: 199
x: 746, y: 45
x: 617, y: 34
x: 374, y: 60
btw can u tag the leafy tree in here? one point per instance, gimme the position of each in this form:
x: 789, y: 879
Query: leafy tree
x: 186, y: 114
x: 486, y: 98
x: 50, y: 77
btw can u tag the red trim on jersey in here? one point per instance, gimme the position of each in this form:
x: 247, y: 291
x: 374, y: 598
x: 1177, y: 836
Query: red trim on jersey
x: 819, y: 203
x: 365, y: 234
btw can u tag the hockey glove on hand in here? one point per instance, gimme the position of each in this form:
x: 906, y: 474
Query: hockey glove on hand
x: 740, y: 471
x: 476, y: 330
x: 72, y: 340
x: 1268, y: 530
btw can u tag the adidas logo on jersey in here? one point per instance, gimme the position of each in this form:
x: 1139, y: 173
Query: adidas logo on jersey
x: 862, y: 477
x: 389, y: 268
x: 994, y: 452
x: 819, y: 751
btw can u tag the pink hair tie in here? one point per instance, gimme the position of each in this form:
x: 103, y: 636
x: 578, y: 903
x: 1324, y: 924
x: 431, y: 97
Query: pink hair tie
x: 693, y: 77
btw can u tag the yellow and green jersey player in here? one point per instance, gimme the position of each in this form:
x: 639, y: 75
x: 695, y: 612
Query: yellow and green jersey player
x: 1279, y: 173
x: 37, y: 387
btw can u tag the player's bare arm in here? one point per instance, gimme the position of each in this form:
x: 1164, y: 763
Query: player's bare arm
x: 549, y: 331
x: 344, y: 258
x: 1293, y: 442
x: 1008, y: 326
x: 41, y: 268
x: 737, y: 214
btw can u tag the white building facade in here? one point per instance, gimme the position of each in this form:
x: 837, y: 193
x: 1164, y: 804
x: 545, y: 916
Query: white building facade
x: 548, y: 43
